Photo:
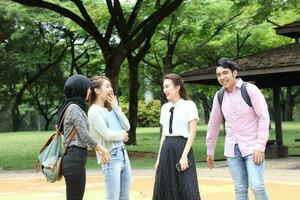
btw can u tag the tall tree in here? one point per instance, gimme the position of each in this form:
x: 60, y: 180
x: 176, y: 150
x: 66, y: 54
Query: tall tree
x: 196, y: 37
x: 132, y: 33
x: 289, y: 99
x: 29, y: 53
x: 46, y: 94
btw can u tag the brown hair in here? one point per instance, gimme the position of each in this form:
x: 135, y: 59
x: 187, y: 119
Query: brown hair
x: 178, y: 81
x: 97, y: 82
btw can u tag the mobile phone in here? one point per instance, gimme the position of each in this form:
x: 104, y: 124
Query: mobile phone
x: 178, y: 167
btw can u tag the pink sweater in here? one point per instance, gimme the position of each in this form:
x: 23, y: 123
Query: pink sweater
x: 244, y: 125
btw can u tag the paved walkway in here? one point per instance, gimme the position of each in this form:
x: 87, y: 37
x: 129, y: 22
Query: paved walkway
x: 282, y: 180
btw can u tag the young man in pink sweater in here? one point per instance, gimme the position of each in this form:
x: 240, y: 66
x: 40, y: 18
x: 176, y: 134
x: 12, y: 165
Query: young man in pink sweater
x: 247, y: 130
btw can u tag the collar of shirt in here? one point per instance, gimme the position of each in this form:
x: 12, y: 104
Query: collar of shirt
x: 177, y: 103
x: 238, y: 84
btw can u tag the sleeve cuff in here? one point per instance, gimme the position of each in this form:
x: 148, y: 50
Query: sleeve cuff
x: 210, y: 152
x: 260, y: 147
x: 116, y: 108
x: 94, y: 144
x: 194, y: 117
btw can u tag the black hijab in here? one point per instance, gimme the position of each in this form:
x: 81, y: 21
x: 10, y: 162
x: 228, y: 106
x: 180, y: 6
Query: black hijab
x: 75, y: 91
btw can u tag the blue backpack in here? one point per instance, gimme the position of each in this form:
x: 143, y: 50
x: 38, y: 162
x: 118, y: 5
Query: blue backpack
x: 50, y: 157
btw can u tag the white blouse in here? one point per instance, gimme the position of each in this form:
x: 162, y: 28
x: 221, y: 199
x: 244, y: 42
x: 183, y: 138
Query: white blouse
x: 184, y: 112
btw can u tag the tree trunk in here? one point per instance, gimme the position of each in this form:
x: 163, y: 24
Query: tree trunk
x: 112, y: 70
x: 206, y: 105
x: 16, y: 118
x: 163, y: 98
x: 48, y: 121
x: 282, y: 103
x: 290, y: 104
x: 206, y: 110
x: 277, y: 115
x: 134, y: 87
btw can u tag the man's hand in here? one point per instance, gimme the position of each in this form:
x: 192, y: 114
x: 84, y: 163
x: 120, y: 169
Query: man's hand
x: 210, y: 162
x: 258, y: 157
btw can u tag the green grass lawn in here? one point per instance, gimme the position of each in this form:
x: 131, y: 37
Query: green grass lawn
x: 19, y: 150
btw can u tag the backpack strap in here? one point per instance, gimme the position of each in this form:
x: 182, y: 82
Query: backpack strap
x: 220, y: 97
x: 245, y: 94
x: 72, y: 134
x: 73, y: 131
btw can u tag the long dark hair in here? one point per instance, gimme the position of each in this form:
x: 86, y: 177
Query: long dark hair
x: 97, y: 82
x: 178, y: 81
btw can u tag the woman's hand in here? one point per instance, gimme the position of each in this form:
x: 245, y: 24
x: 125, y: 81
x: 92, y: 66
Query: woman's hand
x: 125, y: 137
x: 105, y: 157
x: 184, y: 163
x: 112, y: 99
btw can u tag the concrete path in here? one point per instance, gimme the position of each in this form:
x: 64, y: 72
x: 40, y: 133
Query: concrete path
x: 282, y: 181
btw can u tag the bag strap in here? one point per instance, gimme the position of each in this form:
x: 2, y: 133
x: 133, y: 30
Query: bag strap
x: 73, y: 131
x: 220, y: 97
x: 57, y: 132
x: 62, y: 119
x: 72, y: 135
x: 245, y: 94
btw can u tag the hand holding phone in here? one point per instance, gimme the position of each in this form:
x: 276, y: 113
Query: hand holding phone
x: 179, y: 168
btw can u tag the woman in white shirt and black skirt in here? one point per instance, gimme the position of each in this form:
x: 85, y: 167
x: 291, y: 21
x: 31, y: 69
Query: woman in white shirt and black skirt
x: 176, y: 176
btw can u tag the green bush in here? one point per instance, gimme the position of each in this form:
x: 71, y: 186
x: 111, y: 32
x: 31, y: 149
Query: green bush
x: 148, y: 113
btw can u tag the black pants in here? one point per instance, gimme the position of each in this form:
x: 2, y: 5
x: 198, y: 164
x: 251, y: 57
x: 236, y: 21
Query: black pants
x: 73, y: 169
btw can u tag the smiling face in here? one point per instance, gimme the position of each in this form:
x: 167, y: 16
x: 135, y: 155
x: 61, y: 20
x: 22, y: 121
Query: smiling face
x: 171, y: 91
x: 226, y: 77
x: 104, y: 91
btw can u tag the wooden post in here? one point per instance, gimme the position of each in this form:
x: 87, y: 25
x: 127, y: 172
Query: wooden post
x: 277, y: 115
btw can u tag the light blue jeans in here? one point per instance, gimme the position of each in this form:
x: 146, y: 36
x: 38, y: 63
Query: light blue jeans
x: 117, y: 175
x: 244, y: 173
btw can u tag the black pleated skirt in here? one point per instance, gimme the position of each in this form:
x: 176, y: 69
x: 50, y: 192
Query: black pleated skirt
x: 169, y: 183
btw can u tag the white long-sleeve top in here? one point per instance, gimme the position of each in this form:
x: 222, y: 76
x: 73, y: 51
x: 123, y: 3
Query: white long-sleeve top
x: 101, y: 122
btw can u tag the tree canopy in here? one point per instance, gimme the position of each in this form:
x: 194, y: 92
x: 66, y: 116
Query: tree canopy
x: 133, y: 42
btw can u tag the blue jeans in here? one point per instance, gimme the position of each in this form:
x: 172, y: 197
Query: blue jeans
x: 244, y: 173
x: 117, y: 175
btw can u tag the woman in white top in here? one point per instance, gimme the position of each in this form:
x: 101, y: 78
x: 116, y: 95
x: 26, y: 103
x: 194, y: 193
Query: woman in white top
x: 176, y: 177
x: 109, y: 125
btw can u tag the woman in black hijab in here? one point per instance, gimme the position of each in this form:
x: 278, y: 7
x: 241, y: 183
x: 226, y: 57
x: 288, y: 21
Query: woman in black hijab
x: 75, y: 90
x: 73, y: 113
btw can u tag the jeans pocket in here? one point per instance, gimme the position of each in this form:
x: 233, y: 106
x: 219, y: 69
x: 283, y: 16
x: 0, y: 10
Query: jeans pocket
x: 113, y: 152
